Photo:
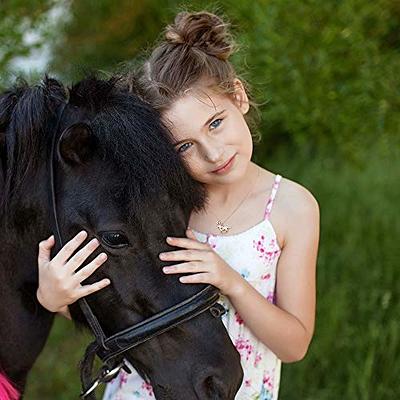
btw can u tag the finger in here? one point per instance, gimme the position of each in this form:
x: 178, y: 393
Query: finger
x: 68, y: 249
x: 184, y: 267
x: 45, y: 247
x: 85, y: 290
x: 196, y: 278
x: 76, y: 261
x: 190, y: 234
x: 88, y: 270
x: 187, y: 243
x: 182, y: 255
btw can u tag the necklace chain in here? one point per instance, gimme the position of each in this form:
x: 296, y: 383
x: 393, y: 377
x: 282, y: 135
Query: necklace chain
x: 221, y: 223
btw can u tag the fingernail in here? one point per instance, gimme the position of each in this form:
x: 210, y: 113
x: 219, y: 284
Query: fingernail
x: 107, y: 282
x: 94, y: 241
x: 82, y: 233
x: 103, y: 256
x: 169, y: 239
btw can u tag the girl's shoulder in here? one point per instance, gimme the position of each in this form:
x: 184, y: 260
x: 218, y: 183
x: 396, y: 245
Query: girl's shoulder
x: 292, y: 204
x: 293, y: 194
x: 289, y: 191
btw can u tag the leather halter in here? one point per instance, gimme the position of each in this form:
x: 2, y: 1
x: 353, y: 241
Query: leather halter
x: 111, y: 349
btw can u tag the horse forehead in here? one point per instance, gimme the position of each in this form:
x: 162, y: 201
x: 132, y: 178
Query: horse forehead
x: 98, y: 196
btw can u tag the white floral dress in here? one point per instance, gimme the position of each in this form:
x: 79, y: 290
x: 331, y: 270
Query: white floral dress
x: 254, y: 253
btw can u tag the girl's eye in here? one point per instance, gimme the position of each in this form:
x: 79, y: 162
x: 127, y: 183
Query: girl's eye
x: 216, y: 123
x: 183, y: 148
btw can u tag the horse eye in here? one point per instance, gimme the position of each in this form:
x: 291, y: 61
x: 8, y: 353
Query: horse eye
x: 115, y: 240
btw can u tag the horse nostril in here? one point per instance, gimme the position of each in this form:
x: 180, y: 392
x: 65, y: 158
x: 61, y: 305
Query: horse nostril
x: 211, y: 387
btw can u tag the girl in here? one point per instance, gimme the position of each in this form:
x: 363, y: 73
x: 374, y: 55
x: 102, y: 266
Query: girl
x: 256, y: 239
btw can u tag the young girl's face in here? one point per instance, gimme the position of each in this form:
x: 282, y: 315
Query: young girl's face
x: 210, y: 131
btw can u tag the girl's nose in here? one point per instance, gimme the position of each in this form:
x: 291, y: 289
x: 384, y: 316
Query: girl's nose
x: 214, y: 152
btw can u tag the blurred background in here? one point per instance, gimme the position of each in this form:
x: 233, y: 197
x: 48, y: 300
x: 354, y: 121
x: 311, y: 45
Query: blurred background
x: 326, y: 77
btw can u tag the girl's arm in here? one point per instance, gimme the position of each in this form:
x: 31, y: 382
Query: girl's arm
x: 59, y: 284
x: 287, y: 327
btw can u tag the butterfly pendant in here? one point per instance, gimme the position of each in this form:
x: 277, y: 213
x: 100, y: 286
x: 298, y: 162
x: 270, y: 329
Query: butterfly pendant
x: 222, y: 228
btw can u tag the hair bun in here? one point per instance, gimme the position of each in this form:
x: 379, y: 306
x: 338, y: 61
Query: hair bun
x: 201, y: 30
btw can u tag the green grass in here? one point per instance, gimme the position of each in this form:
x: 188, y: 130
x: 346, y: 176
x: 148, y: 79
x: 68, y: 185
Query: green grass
x: 56, y: 373
x: 355, y: 351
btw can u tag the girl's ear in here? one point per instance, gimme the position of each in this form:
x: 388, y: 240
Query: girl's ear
x: 240, y: 96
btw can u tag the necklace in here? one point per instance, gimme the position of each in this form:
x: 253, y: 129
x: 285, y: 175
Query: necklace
x: 222, y: 227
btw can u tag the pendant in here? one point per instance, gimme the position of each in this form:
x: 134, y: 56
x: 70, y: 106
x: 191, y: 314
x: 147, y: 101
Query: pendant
x: 222, y: 228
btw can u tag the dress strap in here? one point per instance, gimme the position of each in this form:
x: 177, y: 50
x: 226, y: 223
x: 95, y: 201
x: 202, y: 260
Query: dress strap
x: 270, y: 202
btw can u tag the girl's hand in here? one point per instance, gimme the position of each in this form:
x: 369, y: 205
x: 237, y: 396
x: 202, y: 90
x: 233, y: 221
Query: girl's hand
x: 59, y: 284
x: 205, y: 264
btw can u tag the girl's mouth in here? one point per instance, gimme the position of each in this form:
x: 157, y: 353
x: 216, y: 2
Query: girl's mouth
x: 225, y: 167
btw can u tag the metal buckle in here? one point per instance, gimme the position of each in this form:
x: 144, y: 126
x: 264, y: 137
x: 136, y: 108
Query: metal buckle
x: 105, y: 375
x: 217, y: 310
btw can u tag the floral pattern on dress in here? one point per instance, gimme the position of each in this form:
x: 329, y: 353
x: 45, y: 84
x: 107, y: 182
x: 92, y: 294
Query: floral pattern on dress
x: 267, y: 251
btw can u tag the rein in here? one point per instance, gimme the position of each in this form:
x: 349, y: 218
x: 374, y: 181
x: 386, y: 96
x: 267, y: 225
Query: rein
x: 111, y: 349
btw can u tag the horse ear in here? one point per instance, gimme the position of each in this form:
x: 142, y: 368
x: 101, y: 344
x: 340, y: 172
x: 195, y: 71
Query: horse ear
x: 77, y: 144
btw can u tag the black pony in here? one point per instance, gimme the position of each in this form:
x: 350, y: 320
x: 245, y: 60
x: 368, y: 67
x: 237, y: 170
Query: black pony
x: 119, y: 178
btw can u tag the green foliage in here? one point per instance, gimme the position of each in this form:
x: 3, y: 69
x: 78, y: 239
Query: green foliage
x: 17, y: 17
x: 100, y: 35
x: 326, y: 72
x: 328, y: 69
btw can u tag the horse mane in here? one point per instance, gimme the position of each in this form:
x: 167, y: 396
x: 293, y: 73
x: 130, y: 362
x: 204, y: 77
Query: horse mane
x: 25, y: 112
x: 129, y: 130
